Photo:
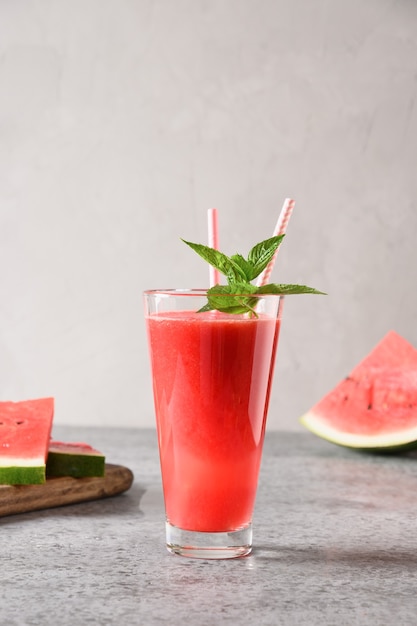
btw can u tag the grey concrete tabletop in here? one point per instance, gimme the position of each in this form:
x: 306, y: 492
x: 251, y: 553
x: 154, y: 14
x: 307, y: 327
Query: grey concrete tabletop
x: 335, y: 542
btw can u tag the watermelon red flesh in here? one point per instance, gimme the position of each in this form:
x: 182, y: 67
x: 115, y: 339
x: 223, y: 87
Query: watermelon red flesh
x: 25, y: 430
x: 375, y: 407
x: 78, y: 460
x: 392, y: 352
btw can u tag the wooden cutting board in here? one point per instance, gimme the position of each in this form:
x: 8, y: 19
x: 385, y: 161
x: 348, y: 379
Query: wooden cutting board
x: 60, y: 491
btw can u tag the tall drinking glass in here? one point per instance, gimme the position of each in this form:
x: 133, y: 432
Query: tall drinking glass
x: 212, y: 375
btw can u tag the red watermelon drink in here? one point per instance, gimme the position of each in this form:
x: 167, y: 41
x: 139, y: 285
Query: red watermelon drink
x: 212, y: 374
x: 212, y: 358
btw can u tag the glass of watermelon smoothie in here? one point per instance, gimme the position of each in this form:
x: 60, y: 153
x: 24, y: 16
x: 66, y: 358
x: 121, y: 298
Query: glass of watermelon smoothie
x: 212, y: 375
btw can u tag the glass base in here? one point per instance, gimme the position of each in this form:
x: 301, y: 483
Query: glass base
x: 215, y: 545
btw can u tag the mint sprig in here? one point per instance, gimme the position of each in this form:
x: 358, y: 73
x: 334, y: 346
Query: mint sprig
x: 240, y: 273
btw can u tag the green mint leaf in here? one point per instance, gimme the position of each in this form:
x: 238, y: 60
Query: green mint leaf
x: 262, y: 254
x: 239, y: 273
x: 237, y: 289
x: 232, y: 298
x: 233, y: 272
x: 246, y: 266
x: 287, y: 290
x: 206, y: 307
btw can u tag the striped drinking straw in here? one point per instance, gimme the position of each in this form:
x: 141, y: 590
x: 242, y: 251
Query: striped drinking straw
x: 280, y: 229
x: 213, y: 242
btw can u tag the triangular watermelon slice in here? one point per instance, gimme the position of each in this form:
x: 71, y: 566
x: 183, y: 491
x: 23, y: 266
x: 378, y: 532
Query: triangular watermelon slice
x: 375, y: 407
x: 25, y: 429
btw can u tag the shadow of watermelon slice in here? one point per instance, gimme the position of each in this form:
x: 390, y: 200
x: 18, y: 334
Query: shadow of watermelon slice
x: 375, y: 407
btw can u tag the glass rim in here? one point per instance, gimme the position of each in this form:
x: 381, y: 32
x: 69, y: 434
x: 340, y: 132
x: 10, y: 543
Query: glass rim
x: 202, y: 292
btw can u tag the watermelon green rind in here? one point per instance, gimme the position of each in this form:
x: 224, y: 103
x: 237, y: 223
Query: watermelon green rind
x: 375, y: 407
x: 404, y: 440
x: 22, y: 475
x: 78, y: 460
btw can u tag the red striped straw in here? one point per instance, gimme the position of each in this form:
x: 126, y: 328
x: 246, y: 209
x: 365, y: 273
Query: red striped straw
x: 213, y: 242
x: 280, y: 229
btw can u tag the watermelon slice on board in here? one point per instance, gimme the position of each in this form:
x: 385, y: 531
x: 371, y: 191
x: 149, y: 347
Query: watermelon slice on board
x: 78, y: 460
x: 375, y: 407
x: 25, y: 430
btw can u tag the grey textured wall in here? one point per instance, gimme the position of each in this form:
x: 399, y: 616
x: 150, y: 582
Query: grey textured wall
x: 123, y: 121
